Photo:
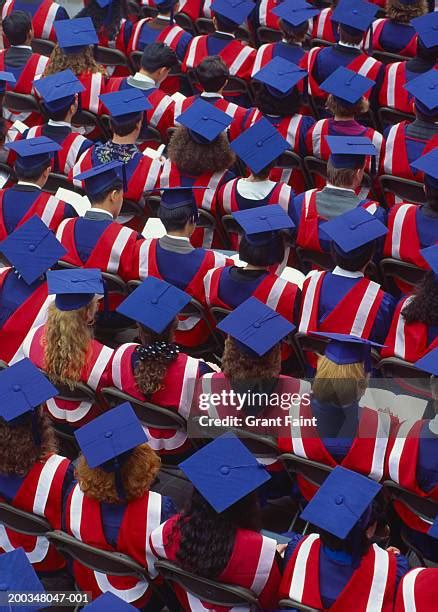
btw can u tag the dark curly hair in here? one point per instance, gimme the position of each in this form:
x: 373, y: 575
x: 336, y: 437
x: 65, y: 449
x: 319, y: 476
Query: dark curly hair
x: 402, y: 12
x: 424, y: 307
x: 193, y: 158
x: 106, y: 20
x: 149, y: 373
x: 238, y: 365
x: 207, y: 538
x: 19, y: 450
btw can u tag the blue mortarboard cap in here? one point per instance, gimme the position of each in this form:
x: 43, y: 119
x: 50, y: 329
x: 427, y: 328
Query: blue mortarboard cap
x: 430, y: 254
x: 426, y: 27
x: 429, y: 362
x: 347, y: 85
x: 353, y: 229
x: 340, y: 502
x: 33, y: 152
x: 256, y: 326
x: 355, y: 14
x: 31, y: 249
x: 125, y: 103
x: 429, y: 165
x: 7, y: 77
x: 204, y: 121
x: 433, y: 531
x: 18, y: 575
x: 110, y: 435
x: 260, y: 223
x: 224, y: 472
x: 259, y: 145
x: 104, y: 3
x: 22, y: 389
x: 101, y: 177
x: 108, y: 602
x: 235, y: 11
x: 154, y: 304
x: 424, y: 88
x: 75, y: 34
x: 177, y: 197
x: 280, y: 76
x: 349, y: 151
x: 295, y: 12
x: 344, y: 349
x: 74, y: 288
x: 58, y: 90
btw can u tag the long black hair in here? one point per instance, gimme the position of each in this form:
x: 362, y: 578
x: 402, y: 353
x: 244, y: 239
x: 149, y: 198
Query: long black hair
x: 106, y: 20
x: 424, y: 306
x: 207, y: 538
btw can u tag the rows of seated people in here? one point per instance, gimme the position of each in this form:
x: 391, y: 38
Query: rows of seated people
x: 250, y: 198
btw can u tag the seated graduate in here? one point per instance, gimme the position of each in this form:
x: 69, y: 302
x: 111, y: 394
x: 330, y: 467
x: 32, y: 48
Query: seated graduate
x: 141, y: 172
x: 262, y: 248
x: 18, y: 575
x: 347, y: 102
x: 155, y: 370
x: 345, y: 433
x: 172, y: 258
x: 74, y: 50
x: 344, y: 300
x: 414, y: 327
x: 217, y: 535
x: 111, y: 22
x: 199, y: 155
x: 109, y: 601
x: 394, y: 33
x: 413, y: 464
x: 59, y: 93
x: 417, y: 589
x: 345, y: 169
x: 27, y: 198
x: 259, y: 148
x: 323, y: 27
x: 393, y: 92
x: 43, y: 13
x: 112, y: 506
x: 339, y: 567
x: 65, y: 348
x: 294, y: 24
x: 30, y: 250
x: 32, y: 476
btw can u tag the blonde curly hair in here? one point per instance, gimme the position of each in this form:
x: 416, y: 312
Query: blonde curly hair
x: 138, y: 472
x: 66, y: 343
x: 339, y: 384
x: 78, y: 63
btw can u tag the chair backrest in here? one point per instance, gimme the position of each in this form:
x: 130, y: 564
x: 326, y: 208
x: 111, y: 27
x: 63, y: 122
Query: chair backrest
x: 312, y: 344
x: 42, y: 46
x: 148, y: 11
x: 425, y: 508
x: 56, y: 180
x: 314, y: 259
x: 131, y: 209
x: 135, y: 59
x: 21, y: 103
x: 110, y: 57
x: 392, y: 116
x: 150, y: 134
x: 208, y: 221
x: 204, y: 25
x: 230, y: 226
x: 150, y: 414
x: 268, y: 35
x: 291, y: 160
x: 205, y: 589
x: 388, y: 58
x: 85, y: 118
x: 312, y: 471
x: 409, y: 377
x: 408, y: 190
x: 320, y: 42
x: 79, y: 393
x: 287, y: 604
x: 401, y: 270
x: 104, y: 561
x: 236, y: 86
x: 186, y: 23
x: 22, y: 521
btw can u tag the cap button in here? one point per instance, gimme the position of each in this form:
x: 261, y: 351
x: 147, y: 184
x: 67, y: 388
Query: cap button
x: 339, y: 500
x: 256, y: 325
x: 354, y: 11
x: 225, y: 470
x: 435, y: 27
x: 154, y: 301
x: 17, y: 387
x: 108, y: 434
x: 32, y: 248
x: 259, y: 143
x: 205, y: 118
x: 263, y: 218
x: 3, y: 587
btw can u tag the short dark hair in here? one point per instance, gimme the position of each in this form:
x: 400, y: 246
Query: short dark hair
x: 100, y: 197
x: 286, y: 106
x: 264, y: 255
x: 350, y: 35
x: 126, y: 127
x: 427, y: 53
x: 16, y: 27
x: 156, y: 56
x: 354, y: 260
x: 224, y: 24
x: 58, y: 115
x: 294, y: 34
x: 176, y: 218
x: 30, y: 174
x: 212, y: 73
x: 431, y: 194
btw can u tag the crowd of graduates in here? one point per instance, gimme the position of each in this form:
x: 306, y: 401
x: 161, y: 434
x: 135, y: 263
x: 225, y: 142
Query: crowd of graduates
x: 208, y: 198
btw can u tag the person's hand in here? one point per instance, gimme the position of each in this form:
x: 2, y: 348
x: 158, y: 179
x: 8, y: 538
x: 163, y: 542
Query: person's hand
x: 393, y: 549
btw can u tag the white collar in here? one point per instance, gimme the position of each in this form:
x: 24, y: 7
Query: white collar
x: 295, y: 44
x: 225, y: 33
x: 347, y: 273
x: 211, y: 94
x: 433, y: 425
x: 178, y: 237
x: 21, y: 47
x: 29, y: 184
x: 163, y: 17
x: 100, y: 210
x: 329, y: 185
x: 59, y: 123
x: 350, y: 45
x: 138, y: 76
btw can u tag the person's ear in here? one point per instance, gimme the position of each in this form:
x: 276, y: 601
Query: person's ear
x: 371, y: 530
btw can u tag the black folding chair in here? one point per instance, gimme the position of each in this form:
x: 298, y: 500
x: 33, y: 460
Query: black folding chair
x: 288, y: 604
x: 388, y: 58
x: 405, y: 189
x: 268, y: 35
x: 42, y: 46
x: 213, y: 592
x: 56, y: 180
x: 320, y: 42
x: 24, y: 522
x: 110, y: 57
x: 208, y: 221
x: 86, y: 119
x: 186, y: 23
x: 22, y: 103
x: 391, y: 116
x: 406, y: 375
x: 395, y: 269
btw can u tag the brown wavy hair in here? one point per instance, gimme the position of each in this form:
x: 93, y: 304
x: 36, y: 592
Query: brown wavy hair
x: 138, y: 473
x: 18, y: 449
x: 403, y: 13
x: 339, y: 384
x: 238, y: 365
x: 335, y: 106
x: 78, y: 63
x: 149, y: 375
x: 66, y: 343
x: 193, y: 158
